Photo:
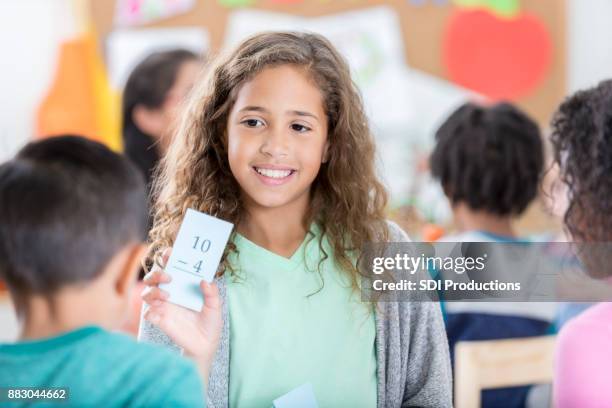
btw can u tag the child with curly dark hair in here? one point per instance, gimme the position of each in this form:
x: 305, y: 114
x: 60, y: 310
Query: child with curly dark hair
x: 489, y: 161
x: 582, y: 140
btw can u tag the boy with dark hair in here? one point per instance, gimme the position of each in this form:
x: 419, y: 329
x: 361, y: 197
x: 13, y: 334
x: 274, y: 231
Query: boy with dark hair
x: 71, y: 230
x: 489, y: 161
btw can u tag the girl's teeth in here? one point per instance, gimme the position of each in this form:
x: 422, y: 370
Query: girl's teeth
x: 273, y: 173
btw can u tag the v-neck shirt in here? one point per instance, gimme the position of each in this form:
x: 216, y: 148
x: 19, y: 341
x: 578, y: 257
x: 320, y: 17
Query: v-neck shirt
x: 297, y: 320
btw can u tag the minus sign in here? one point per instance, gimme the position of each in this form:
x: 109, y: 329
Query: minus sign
x: 183, y: 262
x: 186, y: 271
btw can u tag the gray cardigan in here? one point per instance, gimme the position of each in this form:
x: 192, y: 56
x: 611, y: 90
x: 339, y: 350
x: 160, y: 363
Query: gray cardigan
x: 413, y: 364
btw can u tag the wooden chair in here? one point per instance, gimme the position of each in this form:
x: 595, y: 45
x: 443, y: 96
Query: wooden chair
x: 500, y: 363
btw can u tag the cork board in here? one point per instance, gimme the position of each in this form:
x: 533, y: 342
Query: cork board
x: 424, y: 25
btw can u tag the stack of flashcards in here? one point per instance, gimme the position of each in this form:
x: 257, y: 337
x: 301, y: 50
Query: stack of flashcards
x: 301, y: 397
x: 195, y: 257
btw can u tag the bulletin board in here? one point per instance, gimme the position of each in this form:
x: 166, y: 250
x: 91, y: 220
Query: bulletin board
x: 436, y: 55
x: 437, y: 39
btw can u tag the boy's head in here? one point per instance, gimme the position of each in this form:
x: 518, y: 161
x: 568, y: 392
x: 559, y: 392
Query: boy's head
x: 68, y: 206
x: 489, y: 158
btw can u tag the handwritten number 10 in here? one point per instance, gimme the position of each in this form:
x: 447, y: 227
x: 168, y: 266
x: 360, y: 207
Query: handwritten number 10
x: 203, y: 246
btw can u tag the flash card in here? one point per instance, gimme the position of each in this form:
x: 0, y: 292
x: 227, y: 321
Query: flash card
x: 301, y: 397
x: 195, y: 257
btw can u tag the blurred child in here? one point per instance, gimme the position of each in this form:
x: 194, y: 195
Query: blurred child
x: 555, y: 200
x: 277, y: 142
x: 71, y: 231
x: 151, y: 97
x: 582, y: 140
x: 489, y: 161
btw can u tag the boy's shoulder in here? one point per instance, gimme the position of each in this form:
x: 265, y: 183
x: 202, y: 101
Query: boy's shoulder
x: 98, y: 365
x: 162, y: 373
x: 157, y: 375
x: 146, y: 356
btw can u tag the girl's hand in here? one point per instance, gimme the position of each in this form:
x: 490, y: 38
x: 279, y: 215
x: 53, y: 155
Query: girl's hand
x: 197, y: 333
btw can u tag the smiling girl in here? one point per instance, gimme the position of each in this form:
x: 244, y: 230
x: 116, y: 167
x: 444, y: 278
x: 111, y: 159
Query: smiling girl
x: 276, y: 141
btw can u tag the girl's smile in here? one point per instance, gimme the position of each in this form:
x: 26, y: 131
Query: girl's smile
x: 274, y: 175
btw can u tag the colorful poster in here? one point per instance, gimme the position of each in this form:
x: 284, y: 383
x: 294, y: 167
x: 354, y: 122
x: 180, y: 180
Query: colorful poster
x: 504, y: 8
x: 370, y: 39
x: 138, y: 12
x: 236, y: 3
x: 127, y: 47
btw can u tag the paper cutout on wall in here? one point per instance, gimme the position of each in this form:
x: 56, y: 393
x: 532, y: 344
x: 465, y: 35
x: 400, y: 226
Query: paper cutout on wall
x: 138, y: 12
x: 503, y: 8
x: 370, y: 39
x: 125, y: 48
x: 500, y: 58
x: 236, y: 3
x: 80, y: 100
x: 423, y: 2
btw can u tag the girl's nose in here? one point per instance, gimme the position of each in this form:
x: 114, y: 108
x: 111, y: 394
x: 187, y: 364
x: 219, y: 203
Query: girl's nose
x: 275, y: 143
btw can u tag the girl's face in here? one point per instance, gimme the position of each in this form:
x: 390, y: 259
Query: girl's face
x: 277, y: 136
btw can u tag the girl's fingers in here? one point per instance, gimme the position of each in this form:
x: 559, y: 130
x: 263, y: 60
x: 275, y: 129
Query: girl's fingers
x: 166, y: 255
x: 154, y: 296
x: 210, y: 291
x: 155, y: 277
x: 156, y: 315
x: 173, y: 321
x: 197, y: 334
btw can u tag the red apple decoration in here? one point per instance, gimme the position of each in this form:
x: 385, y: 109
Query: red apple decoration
x: 501, y: 58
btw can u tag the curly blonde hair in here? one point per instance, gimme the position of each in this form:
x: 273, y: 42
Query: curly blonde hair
x: 347, y: 199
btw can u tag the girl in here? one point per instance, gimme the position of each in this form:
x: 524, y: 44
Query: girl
x: 582, y: 134
x: 276, y: 141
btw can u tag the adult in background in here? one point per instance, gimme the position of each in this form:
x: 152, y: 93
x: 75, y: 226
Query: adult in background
x: 151, y: 99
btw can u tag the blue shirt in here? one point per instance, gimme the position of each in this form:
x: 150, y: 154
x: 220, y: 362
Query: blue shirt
x: 101, y: 369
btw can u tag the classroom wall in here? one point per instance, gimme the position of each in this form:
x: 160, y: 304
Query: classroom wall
x: 589, y: 33
x: 31, y: 29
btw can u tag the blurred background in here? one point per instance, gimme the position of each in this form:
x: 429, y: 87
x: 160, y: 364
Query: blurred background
x: 66, y: 62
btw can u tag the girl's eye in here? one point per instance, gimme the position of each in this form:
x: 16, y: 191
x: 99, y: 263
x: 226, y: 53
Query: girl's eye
x: 300, y: 128
x: 252, y: 122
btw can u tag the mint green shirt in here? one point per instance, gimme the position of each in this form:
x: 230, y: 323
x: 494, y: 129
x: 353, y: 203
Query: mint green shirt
x: 102, y: 369
x: 281, y: 338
